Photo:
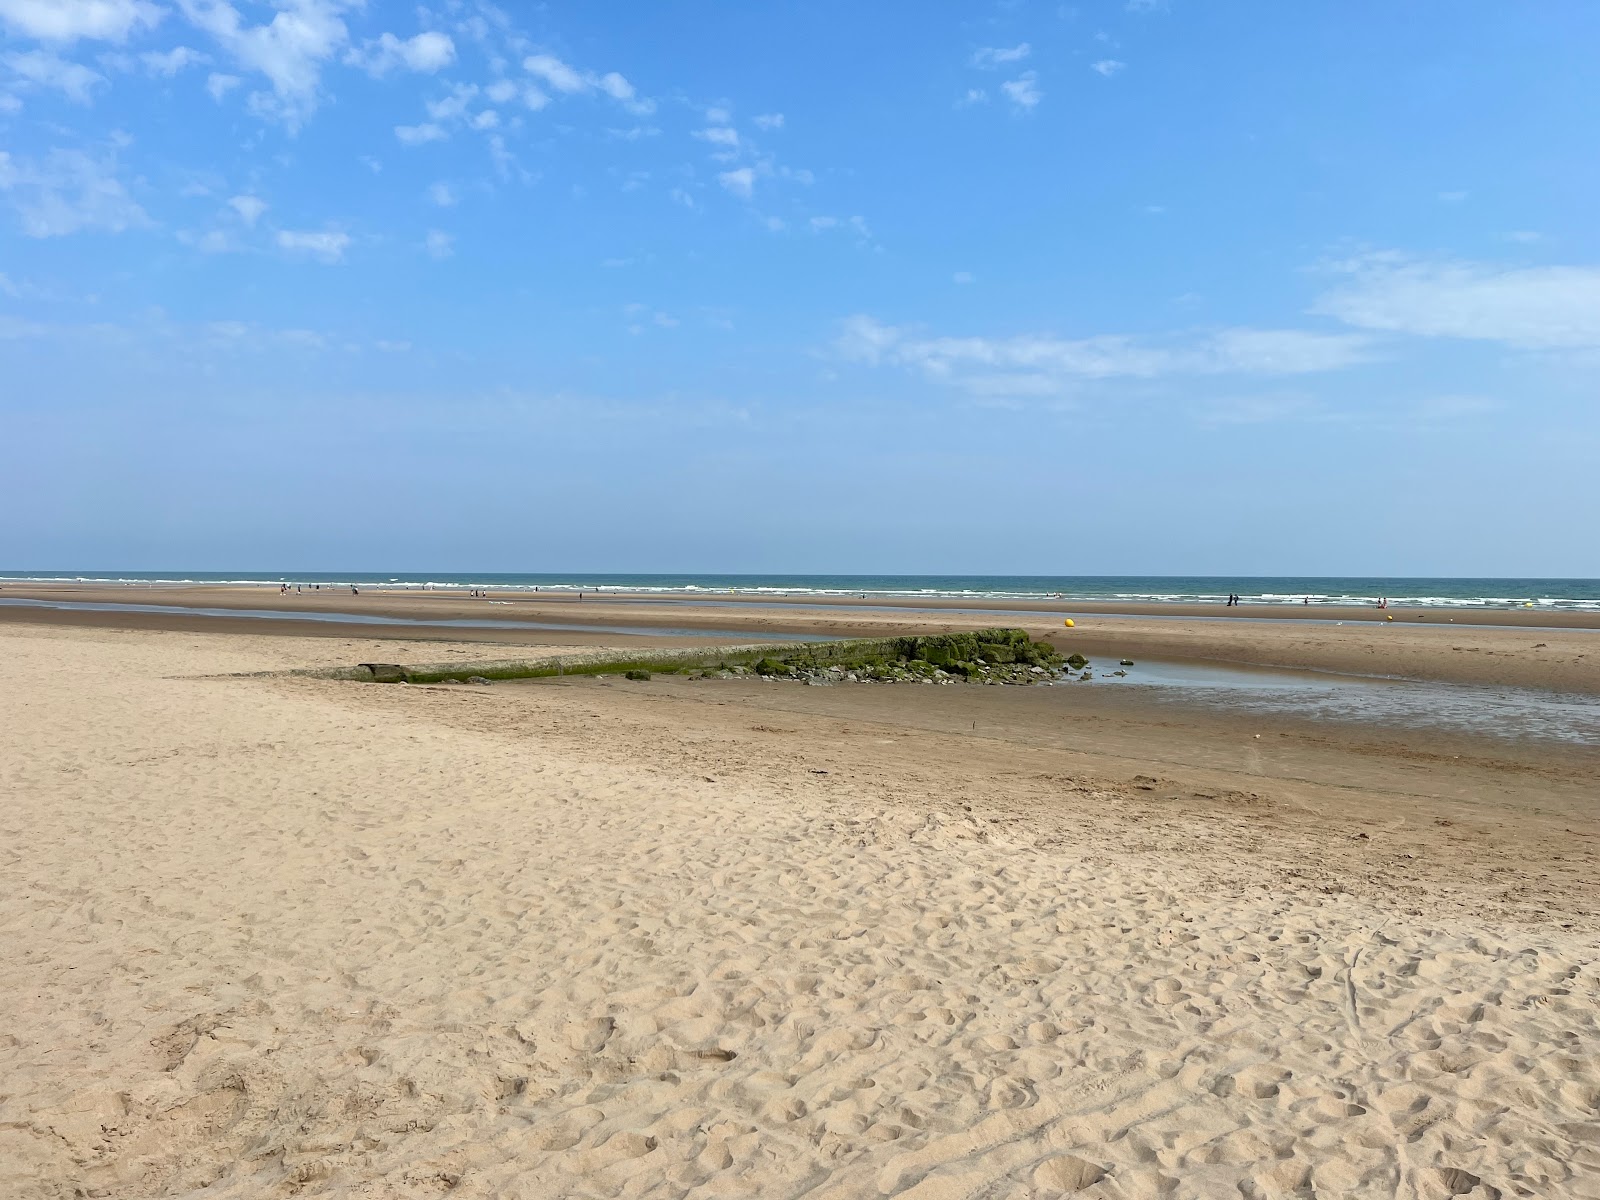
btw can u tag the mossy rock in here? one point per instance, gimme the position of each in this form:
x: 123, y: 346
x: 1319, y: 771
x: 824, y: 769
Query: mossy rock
x: 640, y: 675
x: 1077, y: 662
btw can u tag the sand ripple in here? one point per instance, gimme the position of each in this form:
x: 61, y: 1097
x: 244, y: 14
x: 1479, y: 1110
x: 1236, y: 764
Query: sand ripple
x: 269, y: 941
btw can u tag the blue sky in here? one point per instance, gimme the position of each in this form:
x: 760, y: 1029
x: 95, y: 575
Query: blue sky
x: 1066, y: 288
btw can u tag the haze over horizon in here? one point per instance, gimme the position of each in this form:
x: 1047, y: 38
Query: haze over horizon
x: 1106, y: 288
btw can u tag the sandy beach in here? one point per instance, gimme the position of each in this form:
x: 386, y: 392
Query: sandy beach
x: 273, y: 935
x: 1559, y: 651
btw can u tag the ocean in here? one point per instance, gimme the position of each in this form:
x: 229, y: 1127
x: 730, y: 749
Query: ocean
x: 1582, y: 595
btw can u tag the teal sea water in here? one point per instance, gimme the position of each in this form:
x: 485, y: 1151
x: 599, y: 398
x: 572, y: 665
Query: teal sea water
x: 1549, y: 594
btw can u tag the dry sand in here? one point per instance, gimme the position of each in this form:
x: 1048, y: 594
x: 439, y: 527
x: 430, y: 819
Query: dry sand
x: 273, y: 936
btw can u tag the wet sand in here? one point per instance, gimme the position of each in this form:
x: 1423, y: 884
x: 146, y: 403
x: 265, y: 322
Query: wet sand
x: 1516, y: 650
x: 281, y: 935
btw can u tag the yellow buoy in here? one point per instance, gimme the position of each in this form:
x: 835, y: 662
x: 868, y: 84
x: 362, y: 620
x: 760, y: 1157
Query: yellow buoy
x: 1529, y: 604
x: 1389, y: 618
x: 1068, y: 622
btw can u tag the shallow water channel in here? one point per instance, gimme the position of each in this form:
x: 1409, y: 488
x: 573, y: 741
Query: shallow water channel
x: 1516, y: 714
x: 340, y: 618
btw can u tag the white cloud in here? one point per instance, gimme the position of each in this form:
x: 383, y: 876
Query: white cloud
x: 1525, y: 236
x: 214, y: 241
x: 69, y: 20
x: 220, y: 85
x: 721, y: 135
x: 1107, y: 66
x: 327, y: 245
x: 439, y: 244
x: 555, y: 73
x: 416, y: 135
x: 1527, y: 307
x: 249, y: 208
x: 453, y: 106
x: 426, y: 53
x: 963, y: 277
x: 856, y: 225
x: 170, y: 62
x: 1023, y: 91
x: 501, y: 90
x: 487, y: 119
x: 769, y: 121
x: 638, y: 314
x: 569, y: 81
x: 67, y: 192
x: 741, y: 182
x: 442, y: 195
x: 989, y: 57
x: 973, y: 96
x: 1039, y: 364
x: 41, y: 68
x: 9, y: 103
x: 289, y: 50
x: 616, y: 86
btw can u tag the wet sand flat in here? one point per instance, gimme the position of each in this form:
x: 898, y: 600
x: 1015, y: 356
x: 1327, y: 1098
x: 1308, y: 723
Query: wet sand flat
x: 590, y: 938
x: 1559, y: 651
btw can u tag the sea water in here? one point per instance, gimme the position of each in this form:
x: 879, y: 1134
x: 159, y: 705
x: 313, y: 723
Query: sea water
x: 1578, y: 595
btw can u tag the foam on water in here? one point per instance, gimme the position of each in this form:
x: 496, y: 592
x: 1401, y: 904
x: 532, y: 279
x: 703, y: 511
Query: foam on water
x: 1576, y: 595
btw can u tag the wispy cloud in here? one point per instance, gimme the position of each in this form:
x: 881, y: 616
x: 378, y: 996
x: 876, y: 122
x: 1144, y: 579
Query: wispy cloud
x: 40, y: 68
x: 1023, y: 91
x: 219, y: 84
x: 989, y: 57
x: 248, y: 208
x: 740, y: 181
x: 1537, y: 308
x: 70, y: 20
x: 327, y: 245
x: 439, y: 244
x: 68, y: 191
x: 1043, y: 364
x: 426, y: 53
x: 724, y: 137
x: 170, y: 62
x: 289, y: 50
x: 1107, y: 67
x: 417, y: 135
x: 769, y: 121
x: 567, y: 80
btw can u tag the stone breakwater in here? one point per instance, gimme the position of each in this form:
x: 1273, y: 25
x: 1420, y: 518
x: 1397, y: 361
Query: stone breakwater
x: 996, y: 656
